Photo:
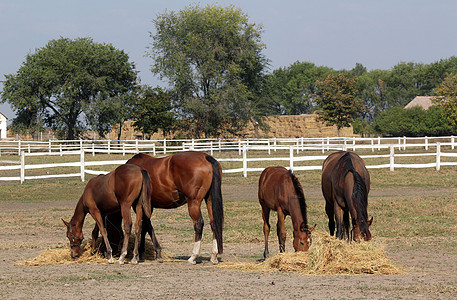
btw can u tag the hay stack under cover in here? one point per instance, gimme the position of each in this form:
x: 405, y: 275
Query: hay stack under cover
x: 327, y: 256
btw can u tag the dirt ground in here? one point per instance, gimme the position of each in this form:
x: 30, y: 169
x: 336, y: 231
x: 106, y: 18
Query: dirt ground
x: 431, y: 269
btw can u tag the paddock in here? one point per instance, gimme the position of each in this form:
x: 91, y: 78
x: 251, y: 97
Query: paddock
x: 414, y: 222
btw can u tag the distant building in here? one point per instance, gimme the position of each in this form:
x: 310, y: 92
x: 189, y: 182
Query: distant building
x: 422, y: 101
x: 3, y: 119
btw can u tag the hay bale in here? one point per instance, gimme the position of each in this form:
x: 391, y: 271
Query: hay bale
x: 62, y: 256
x: 327, y: 256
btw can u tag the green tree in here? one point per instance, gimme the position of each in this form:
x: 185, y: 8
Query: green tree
x: 338, y: 99
x: 64, y: 82
x: 446, y: 98
x: 212, y: 59
x: 292, y: 88
x: 153, y: 111
x: 397, y: 121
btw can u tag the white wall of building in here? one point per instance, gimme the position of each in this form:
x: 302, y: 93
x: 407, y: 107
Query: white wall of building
x: 2, y: 126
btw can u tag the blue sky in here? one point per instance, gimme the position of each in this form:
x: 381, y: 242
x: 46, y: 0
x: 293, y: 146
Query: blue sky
x: 333, y: 33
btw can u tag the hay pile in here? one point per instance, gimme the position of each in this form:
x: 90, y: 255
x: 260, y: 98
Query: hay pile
x: 62, y: 256
x: 327, y: 256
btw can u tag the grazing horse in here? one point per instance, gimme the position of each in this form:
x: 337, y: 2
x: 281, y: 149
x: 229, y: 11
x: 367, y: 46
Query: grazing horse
x: 186, y: 177
x: 280, y: 190
x: 345, y: 185
x: 119, y: 190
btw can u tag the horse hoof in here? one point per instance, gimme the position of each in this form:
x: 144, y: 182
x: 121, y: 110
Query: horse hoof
x: 191, y: 261
x: 214, y: 261
x: 134, y: 261
x: 111, y: 261
x: 160, y: 260
x: 120, y: 262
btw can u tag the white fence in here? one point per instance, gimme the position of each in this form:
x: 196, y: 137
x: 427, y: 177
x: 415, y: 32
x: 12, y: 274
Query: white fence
x: 289, y: 161
x: 165, y: 146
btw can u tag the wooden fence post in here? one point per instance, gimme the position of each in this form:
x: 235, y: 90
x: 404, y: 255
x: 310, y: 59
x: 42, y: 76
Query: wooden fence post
x: 438, y: 156
x: 245, y: 161
x: 426, y: 143
x: 452, y: 142
x: 392, y: 158
x: 164, y: 146
x: 19, y: 147
x: 81, y: 160
x: 109, y: 146
x: 291, y: 158
x: 22, y: 175
x: 379, y: 143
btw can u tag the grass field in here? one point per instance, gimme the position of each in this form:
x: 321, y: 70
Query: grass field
x: 415, y: 218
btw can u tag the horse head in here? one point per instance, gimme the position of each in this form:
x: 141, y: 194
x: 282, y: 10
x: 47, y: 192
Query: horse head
x: 302, y: 237
x: 362, y: 231
x: 75, y: 239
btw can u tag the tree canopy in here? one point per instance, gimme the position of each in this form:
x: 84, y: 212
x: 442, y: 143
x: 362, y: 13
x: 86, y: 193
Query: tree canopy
x: 446, y: 94
x: 338, y: 99
x: 212, y: 58
x: 67, y: 83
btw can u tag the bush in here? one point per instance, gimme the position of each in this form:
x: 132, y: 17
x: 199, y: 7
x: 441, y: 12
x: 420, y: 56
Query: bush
x: 415, y: 121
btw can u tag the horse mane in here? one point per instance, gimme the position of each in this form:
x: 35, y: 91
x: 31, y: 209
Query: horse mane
x: 359, y: 190
x: 301, y: 197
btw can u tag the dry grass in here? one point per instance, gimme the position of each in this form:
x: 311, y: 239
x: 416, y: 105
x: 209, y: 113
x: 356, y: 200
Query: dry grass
x: 327, y: 256
x: 62, y: 256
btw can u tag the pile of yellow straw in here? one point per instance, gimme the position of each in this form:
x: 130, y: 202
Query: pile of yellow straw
x: 327, y: 256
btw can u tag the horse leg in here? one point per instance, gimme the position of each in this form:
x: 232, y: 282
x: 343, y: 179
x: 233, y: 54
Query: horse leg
x: 331, y: 218
x: 95, y: 213
x: 94, y: 239
x: 339, y: 222
x: 195, y: 214
x: 346, y: 224
x: 125, y: 210
x: 266, y: 229
x: 138, y: 225
x: 214, y: 251
x: 147, y: 228
x: 281, y: 230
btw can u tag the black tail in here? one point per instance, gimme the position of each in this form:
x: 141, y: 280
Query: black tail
x: 359, y: 191
x: 300, y: 195
x: 146, y: 194
x: 216, y: 200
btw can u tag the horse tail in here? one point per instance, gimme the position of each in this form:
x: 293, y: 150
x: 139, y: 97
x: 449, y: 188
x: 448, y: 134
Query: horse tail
x: 216, y: 200
x: 146, y: 194
x: 359, y: 190
x: 301, y: 196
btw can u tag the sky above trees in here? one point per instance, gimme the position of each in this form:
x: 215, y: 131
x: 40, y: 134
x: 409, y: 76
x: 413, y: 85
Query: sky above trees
x: 332, y: 33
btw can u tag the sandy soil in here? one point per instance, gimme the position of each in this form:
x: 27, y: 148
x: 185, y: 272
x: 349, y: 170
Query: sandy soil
x: 431, y: 270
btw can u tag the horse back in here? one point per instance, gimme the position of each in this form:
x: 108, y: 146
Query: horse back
x: 275, y: 188
x: 176, y: 175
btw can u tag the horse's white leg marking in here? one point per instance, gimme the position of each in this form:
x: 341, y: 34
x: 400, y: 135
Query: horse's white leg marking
x: 214, y: 253
x: 195, y: 253
x: 121, y: 258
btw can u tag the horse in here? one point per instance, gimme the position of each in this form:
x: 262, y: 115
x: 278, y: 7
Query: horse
x: 345, y: 186
x: 280, y: 190
x: 126, y: 187
x: 186, y: 177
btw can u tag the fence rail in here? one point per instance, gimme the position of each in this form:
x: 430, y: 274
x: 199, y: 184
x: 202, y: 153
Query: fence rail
x: 165, y: 146
x: 291, y: 161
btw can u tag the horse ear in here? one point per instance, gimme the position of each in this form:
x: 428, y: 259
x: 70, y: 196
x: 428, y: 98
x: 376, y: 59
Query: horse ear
x: 312, y: 228
x: 369, y: 222
x: 66, y: 223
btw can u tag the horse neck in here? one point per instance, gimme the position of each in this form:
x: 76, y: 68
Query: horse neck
x: 79, y: 215
x: 296, y: 213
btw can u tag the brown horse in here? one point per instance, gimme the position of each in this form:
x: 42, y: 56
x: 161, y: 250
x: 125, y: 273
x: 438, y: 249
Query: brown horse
x: 345, y: 185
x: 186, y: 177
x: 280, y: 190
x: 119, y: 190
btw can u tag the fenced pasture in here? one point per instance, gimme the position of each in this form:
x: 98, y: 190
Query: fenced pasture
x: 414, y: 219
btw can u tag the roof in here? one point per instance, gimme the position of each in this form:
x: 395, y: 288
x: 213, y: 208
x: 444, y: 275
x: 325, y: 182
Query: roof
x: 3, y: 115
x: 423, y: 101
